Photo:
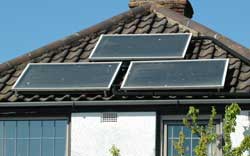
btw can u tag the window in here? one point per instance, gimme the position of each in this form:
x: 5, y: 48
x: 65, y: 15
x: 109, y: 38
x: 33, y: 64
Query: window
x: 171, y: 130
x: 33, y: 137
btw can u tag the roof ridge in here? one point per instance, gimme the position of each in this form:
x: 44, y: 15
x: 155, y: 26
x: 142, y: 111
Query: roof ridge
x: 203, y: 30
x: 66, y: 40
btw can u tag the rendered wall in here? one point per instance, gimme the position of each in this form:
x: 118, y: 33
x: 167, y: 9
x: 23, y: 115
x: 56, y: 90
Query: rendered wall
x: 242, y: 128
x: 133, y: 134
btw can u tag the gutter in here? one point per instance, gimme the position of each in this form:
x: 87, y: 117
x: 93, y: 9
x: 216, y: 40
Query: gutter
x: 124, y: 103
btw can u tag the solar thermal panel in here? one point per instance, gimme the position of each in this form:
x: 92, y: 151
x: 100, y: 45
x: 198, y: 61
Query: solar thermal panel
x: 67, y: 77
x: 178, y: 74
x: 141, y: 47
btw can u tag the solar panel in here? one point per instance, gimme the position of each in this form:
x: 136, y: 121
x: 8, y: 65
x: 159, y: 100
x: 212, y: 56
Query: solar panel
x: 141, y: 47
x: 174, y: 75
x: 67, y: 77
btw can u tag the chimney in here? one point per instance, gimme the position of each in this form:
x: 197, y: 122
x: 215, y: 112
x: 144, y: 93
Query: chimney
x: 183, y: 7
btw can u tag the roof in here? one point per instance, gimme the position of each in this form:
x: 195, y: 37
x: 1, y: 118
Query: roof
x: 149, y: 18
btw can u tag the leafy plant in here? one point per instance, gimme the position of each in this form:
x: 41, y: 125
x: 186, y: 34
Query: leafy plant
x: 229, y: 126
x: 179, y: 146
x: 114, y: 151
x: 208, y: 135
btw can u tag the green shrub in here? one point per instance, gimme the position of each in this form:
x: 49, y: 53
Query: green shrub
x: 208, y: 134
x: 114, y: 151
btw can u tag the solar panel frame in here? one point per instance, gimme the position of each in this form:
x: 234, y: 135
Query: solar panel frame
x: 117, y: 58
x: 123, y: 87
x: 14, y: 88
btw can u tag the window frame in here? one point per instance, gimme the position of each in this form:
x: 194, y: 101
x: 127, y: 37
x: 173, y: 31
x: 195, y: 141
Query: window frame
x: 40, y: 118
x: 178, y: 118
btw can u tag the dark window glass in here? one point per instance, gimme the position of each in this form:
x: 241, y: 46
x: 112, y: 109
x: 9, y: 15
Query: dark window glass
x: 187, y: 146
x: 186, y: 132
x: 35, y: 129
x: 35, y: 147
x: 48, y: 129
x: 22, y: 129
x: 59, y: 150
x: 60, y: 128
x: 191, y: 140
x: 33, y: 138
x: 48, y: 147
x: 176, y: 130
x: 1, y: 147
x: 10, y: 129
x: 10, y: 146
x: 22, y: 147
x: 1, y: 130
x: 173, y: 135
x: 170, y: 147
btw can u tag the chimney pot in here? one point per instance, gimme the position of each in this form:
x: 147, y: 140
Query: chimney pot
x: 184, y: 7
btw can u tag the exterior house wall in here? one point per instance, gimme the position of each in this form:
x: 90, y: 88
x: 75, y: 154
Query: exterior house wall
x: 134, y: 134
x: 242, y: 128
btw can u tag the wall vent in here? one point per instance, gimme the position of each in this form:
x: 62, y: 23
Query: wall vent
x: 109, y: 117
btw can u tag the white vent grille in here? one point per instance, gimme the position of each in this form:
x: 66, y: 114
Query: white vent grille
x: 109, y: 117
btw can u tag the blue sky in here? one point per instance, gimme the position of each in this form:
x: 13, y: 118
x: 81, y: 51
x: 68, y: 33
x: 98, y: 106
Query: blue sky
x: 29, y: 24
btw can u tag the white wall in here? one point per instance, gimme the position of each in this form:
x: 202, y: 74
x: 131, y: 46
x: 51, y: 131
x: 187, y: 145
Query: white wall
x: 242, y: 127
x: 133, y: 133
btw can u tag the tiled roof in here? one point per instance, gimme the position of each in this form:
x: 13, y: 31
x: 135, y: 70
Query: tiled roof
x: 147, y: 19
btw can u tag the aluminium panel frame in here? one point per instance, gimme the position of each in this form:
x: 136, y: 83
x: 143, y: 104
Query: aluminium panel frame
x: 68, y: 89
x: 91, y: 58
x: 133, y: 88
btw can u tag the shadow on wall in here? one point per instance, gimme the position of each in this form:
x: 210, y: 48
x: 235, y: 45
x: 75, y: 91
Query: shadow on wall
x: 246, y: 133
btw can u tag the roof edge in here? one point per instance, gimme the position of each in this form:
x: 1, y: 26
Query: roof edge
x: 85, y: 32
x: 203, y: 30
x: 120, y: 103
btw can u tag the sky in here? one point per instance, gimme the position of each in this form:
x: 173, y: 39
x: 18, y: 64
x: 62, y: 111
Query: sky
x: 30, y: 24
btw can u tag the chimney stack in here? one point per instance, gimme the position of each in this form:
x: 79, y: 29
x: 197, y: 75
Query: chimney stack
x: 183, y: 7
